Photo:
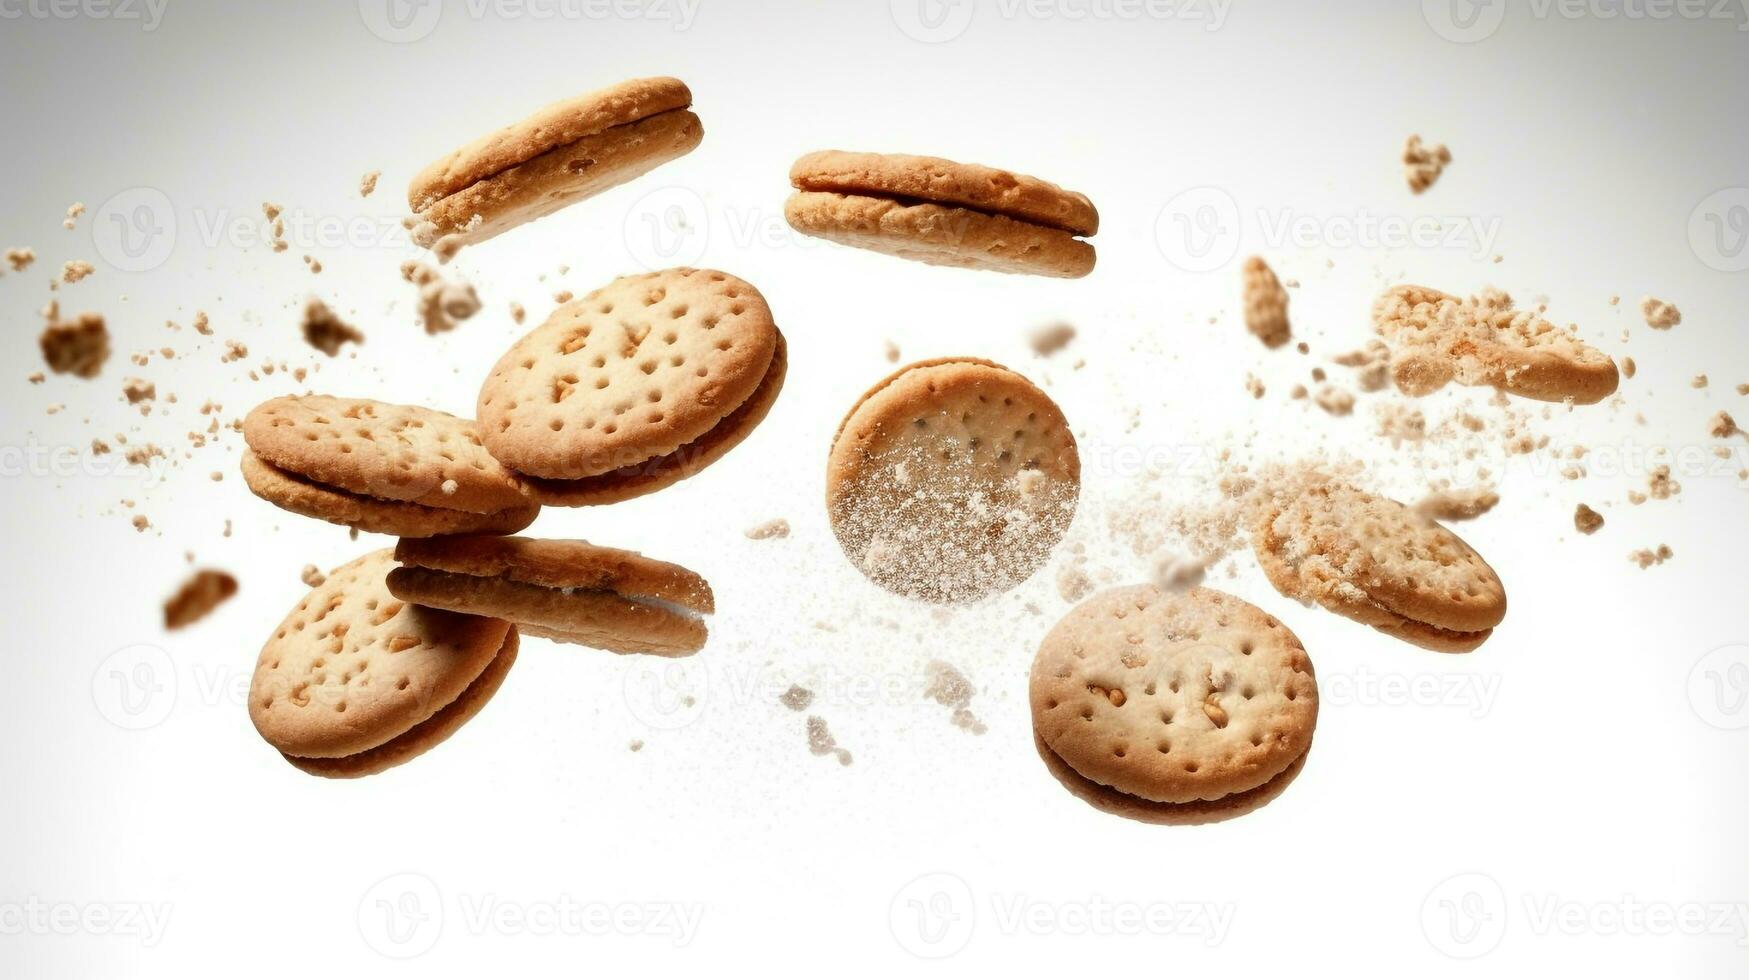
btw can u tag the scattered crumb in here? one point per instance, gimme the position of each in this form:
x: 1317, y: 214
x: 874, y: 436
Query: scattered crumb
x: 777, y: 527
x: 1700, y: 381
x: 36, y: 377
x: 517, y: 313
x: 890, y: 351
x: 1050, y: 338
x: 74, y: 210
x: 636, y: 745
x: 197, y: 597
x: 78, y: 347
x: 820, y: 740
x: 1722, y: 426
x: 1646, y: 557
x: 1401, y: 423
x: 324, y: 330
x: 1629, y: 368
x: 1372, y: 365
x: 75, y: 270
x: 1587, y: 520
x: 138, y: 390
x: 1659, y: 314
x: 368, y: 183
x: 202, y: 325
x: 312, y: 576
x: 1173, y: 574
x: 235, y: 350
x: 441, y: 304
x: 1458, y: 505
x: 1660, y: 486
x: 1265, y: 303
x: 1073, y: 582
x: 1254, y: 385
x: 797, y: 698
x: 950, y: 689
x: 141, y: 523
x: 1422, y: 164
x: 1334, y: 400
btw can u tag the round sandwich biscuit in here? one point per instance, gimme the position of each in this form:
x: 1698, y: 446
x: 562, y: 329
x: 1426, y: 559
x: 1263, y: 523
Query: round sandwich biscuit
x: 393, y: 469
x: 952, y: 480
x: 355, y: 681
x: 1437, y: 338
x: 1378, y: 562
x: 570, y: 591
x: 1172, y: 708
x: 634, y: 387
x: 564, y: 153
x: 943, y: 213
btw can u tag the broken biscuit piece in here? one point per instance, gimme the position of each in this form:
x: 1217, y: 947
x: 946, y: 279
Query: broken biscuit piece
x: 1423, y: 164
x: 1265, y: 304
x: 197, y: 597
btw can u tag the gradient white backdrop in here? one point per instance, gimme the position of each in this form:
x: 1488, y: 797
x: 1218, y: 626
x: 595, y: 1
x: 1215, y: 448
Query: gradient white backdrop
x: 1569, y: 797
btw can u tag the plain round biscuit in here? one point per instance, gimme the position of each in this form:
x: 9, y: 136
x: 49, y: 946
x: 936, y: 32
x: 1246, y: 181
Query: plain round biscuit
x: 629, y: 373
x: 306, y: 499
x: 940, y: 235
x: 1340, y: 546
x: 552, y: 126
x: 1441, y: 338
x: 403, y: 453
x: 352, y: 667
x: 560, y: 564
x: 938, y: 181
x: 1173, y: 698
x: 426, y: 735
x: 562, y: 177
x: 1109, y: 800
x: 687, y: 461
x: 600, y: 619
x: 926, y: 480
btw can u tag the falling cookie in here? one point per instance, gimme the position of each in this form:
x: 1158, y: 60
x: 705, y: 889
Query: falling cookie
x: 634, y: 387
x: 564, y: 153
x: 570, y: 591
x: 1173, y: 709
x: 952, y: 480
x: 355, y: 681
x: 1437, y: 338
x: 1379, y: 563
x: 943, y: 213
x: 391, y: 469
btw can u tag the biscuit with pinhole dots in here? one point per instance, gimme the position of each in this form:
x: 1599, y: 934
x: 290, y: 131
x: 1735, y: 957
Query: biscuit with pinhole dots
x: 1437, y: 339
x: 943, y: 213
x: 952, y: 480
x: 355, y: 681
x: 636, y: 386
x: 1173, y: 708
x: 571, y: 591
x: 1378, y: 562
x: 564, y: 153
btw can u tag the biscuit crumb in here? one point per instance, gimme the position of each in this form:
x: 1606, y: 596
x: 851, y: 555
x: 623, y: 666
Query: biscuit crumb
x: 312, y: 576
x: 235, y: 350
x: 77, y: 347
x: 1723, y: 426
x: 1173, y: 575
x: 797, y: 698
x: 1629, y: 368
x: 1254, y: 385
x: 1401, y: 423
x: 1457, y: 505
x: 75, y: 270
x: 517, y: 312
x: 197, y: 597
x: 1586, y: 520
x: 1334, y: 400
x: 202, y: 325
x: 890, y: 351
x: 1265, y: 303
x: 1050, y: 338
x: 1372, y: 365
x: 36, y: 377
x: 1422, y: 164
x: 20, y: 258
x: 367, y: 184
x: 777, y: 527
x: 1073, y: 582
x: 950, y: 689
x: 442, y: 304
x: 324, y: 330
x: 141, y: 523
x: 138, y: 390
x: 1647, y: 557
x: 563, y: 296
x: 74, y: 210
x: 1660, y: 486
x: 820, y: 741
x: 1700, y: 381
x: 636, y: 745
x: 1659, y: 314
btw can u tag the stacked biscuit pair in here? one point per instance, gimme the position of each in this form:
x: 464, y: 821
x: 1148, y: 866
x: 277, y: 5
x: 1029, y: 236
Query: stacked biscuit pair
x: 628, y: 390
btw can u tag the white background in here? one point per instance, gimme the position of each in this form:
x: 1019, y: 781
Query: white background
x: 1582, y: 763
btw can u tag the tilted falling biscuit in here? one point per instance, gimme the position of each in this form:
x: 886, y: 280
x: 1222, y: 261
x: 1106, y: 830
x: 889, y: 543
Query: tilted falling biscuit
x: 636, y: 386
x: 1377, y: 562
x: 569, y: 591
x: 1437, y: 338
x: 1172, y: 708
x: 562, y: 154
x: 943, y: 213
x: 356, y: 681
x: 952, y: 480
x: 391, y: 469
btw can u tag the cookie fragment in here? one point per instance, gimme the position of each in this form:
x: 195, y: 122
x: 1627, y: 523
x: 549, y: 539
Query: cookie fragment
x: 324, y: 330
x: 1586, y: 520
x: 1423, y: 164
x: 195, y: 598
x: 1265, y: 304
x: 1659, y: 314
x: 77, y: 347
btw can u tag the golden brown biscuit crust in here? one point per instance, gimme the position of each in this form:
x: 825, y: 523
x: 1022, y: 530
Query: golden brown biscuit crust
x: 940, y: 235
x: 288, y: 492
x: 936, y: 181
